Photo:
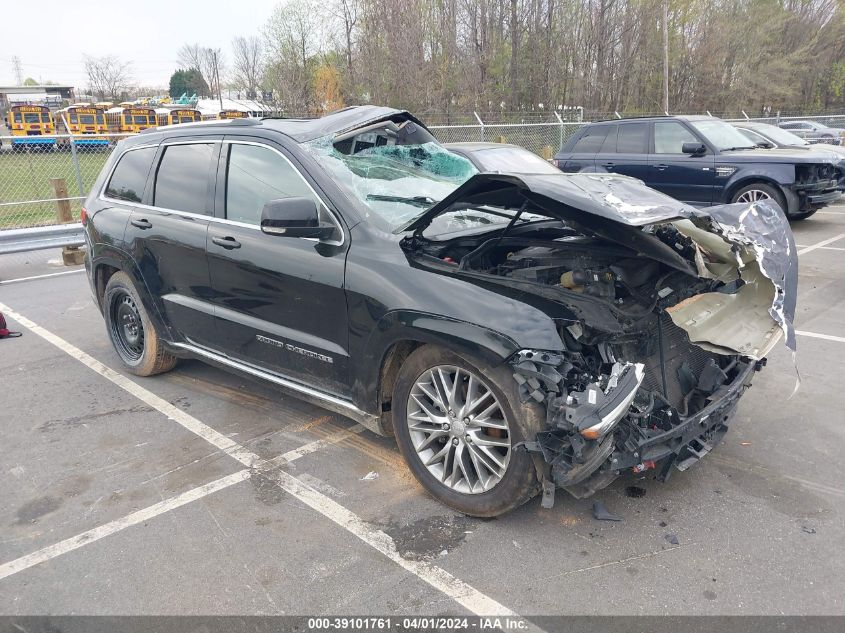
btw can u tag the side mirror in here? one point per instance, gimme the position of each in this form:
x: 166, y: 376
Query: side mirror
x: 294, y: 217
x: 695, y: 149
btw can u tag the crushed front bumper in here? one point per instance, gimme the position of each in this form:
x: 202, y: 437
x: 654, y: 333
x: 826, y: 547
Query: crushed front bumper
x: 594, y: 464
x: 689, y: 440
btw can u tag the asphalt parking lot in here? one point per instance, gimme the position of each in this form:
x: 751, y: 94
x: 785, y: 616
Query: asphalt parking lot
x: 199, y: 492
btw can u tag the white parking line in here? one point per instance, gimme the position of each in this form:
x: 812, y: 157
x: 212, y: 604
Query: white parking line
x: 830, y: 240
x: 59, y: 274
x: 97, y: 533
x: 107, y: 529
x: 827, y: 337
x: 464, y: 594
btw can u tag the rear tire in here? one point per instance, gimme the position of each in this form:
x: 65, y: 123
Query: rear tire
x: 132, y: 334
x: 482, y: 471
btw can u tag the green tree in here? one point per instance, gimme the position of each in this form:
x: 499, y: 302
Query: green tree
x: 29, y: 81
x: 188, y: 81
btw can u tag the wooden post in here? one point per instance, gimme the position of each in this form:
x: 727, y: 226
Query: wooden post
x: 501, y: 139
x: 71, y: 255
x: 63, y: 214
x: 546, y: 152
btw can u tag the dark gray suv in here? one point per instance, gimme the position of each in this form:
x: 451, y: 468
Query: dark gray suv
x: 703, y: 161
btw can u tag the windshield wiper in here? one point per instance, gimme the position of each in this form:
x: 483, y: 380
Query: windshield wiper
x: 417, y: 201
x: 730, y: 149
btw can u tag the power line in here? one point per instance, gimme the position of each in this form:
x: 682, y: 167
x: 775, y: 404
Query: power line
x: 16, y: 64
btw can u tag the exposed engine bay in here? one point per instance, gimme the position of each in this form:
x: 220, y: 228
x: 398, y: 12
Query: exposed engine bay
x: 659, y: 345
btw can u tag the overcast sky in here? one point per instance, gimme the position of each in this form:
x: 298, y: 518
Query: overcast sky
x: 53, y: 41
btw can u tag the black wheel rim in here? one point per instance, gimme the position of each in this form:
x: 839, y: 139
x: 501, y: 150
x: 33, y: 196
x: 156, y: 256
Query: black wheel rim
x: 126, y: 326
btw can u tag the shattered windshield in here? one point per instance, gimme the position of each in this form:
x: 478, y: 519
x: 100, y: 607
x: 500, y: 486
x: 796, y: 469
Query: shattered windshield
x: 396, y: 182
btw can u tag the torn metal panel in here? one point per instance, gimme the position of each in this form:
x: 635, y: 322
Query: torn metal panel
x: 732, y: 323
x: 762, y: 233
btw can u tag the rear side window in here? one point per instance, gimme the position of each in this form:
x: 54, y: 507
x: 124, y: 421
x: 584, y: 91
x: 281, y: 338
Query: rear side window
x: 129, y: 177
x: 255, y: 176
x: 182, y: 178
x: 592, y: 140
x: 609, y: 145
x: 633, y: 138
x: 670, y: 136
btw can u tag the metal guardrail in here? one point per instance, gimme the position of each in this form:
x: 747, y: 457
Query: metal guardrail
x: 38, y: 237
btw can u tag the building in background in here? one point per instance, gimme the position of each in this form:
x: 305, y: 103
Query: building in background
x: 51, y: 96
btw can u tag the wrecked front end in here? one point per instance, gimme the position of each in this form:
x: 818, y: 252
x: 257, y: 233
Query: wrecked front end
x: 669, y: 313
x: 659, y: 393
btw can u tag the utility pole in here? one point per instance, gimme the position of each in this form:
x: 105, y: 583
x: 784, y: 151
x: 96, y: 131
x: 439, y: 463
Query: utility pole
x: 666, y: 56
x: 217, y: 78
x: 16, y: 64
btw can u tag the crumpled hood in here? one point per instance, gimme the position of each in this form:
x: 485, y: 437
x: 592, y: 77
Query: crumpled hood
x: 749, y: 245
x: 613, y: 197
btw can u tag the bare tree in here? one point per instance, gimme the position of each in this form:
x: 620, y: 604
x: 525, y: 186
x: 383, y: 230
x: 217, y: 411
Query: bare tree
x: 294, y: 39
x: 247, y: 64
x: 109, y: 78
x: 208, y: 61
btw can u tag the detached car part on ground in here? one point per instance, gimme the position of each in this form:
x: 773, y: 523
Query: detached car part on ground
x: 515, y: 332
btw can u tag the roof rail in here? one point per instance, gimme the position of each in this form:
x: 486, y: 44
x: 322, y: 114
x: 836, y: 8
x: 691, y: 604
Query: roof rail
x: 212, y: 122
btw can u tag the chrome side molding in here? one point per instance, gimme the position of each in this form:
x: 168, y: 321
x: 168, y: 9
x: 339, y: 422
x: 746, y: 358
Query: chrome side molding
x: 331, y: 402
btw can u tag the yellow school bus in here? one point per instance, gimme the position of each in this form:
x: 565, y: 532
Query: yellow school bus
x: 130, y: 120
x: 232, y: 114
x: 87, y: 121
x: 31, y: 125
x: 184, y: 115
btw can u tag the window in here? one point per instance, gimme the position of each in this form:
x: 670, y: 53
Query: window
x: 633, y: 138
x: 31, y: 117
x: 592, y: 140
x: 670, y: 136
x: 129, y: 177
x: 255, y: 176
x: 609, y: 145
x: 752, y: 135
x: 18, y: 117
x: 73, y: 118
x: 182, y: 178
x: 86, y: 119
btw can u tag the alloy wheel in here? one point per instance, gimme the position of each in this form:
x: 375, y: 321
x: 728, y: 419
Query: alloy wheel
x: 753, y: 195
x: 459, y: 429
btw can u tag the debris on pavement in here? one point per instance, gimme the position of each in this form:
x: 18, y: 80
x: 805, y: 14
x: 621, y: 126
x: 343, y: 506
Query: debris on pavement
x: 673, y: 539
x: 370, y: 476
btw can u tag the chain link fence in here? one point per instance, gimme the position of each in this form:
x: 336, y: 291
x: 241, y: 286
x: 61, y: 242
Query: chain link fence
x: 45, y: 184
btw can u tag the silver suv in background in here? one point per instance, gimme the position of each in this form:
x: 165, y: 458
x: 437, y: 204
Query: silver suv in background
x: 815, y: 132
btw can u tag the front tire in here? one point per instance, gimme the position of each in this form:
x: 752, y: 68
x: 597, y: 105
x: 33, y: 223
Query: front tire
x: 757, y: 191
x: 132, y: 334
x: 458, y: 423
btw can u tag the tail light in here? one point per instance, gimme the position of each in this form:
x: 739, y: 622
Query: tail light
x: 83, y: 217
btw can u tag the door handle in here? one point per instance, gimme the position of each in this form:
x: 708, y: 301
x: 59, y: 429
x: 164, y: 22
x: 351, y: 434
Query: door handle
x: 226, y: 242
x: 607, y: 165
x: 142, y: 224
x: 662, y: 166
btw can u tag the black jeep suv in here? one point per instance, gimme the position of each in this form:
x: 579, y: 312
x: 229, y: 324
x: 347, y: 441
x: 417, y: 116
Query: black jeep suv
x: 514, y: 331
x: 703, y: 161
